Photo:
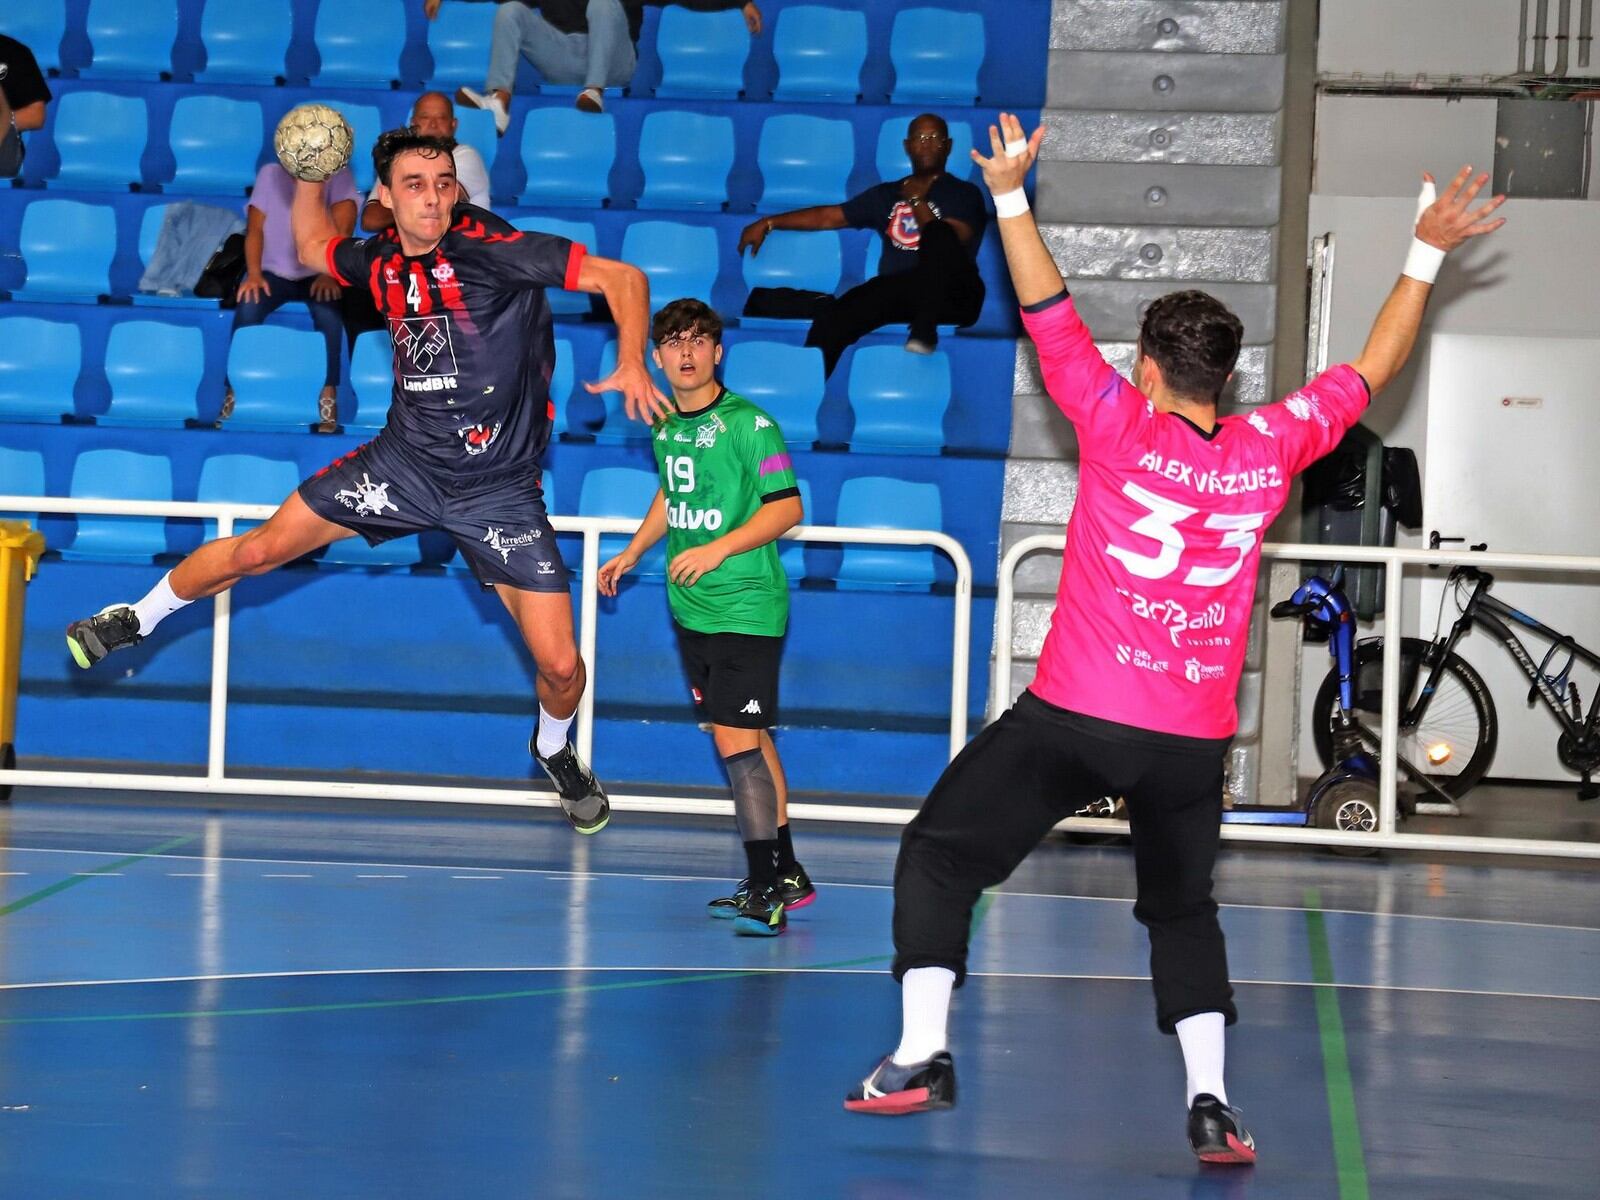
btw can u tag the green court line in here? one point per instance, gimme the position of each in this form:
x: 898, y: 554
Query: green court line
x: 421, y: 1001
x: 62, y: 885
x: 1348, y: 1157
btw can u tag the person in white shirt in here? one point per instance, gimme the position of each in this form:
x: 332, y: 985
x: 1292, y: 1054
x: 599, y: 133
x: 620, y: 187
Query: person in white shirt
x: 433, y: 115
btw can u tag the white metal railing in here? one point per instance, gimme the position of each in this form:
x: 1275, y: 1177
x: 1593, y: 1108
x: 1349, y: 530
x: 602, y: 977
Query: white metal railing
x: 1394, y: 561
x: 217, y: 780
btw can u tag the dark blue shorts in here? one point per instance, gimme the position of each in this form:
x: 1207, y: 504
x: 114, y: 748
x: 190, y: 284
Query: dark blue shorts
x: 499, y: 524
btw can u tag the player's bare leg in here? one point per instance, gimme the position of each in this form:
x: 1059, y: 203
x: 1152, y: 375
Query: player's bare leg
x: 291, y: 532
x: 545, y: 622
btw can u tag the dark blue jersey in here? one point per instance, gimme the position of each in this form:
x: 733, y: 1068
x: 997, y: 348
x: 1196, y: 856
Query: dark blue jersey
x: 473, y: 348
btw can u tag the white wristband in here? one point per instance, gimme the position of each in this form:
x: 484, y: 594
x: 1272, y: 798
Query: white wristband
x: 1011, y: 204
x: 1424, y: 260
x: 1017, y: 148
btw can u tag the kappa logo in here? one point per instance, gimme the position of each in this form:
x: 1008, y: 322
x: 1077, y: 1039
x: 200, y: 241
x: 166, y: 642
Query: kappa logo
x: 367, y: 498
x: 498, y: 541
x: 753, y: 709
x: 762, y: 423
x: 1259, y: 424
x: 662, y: 436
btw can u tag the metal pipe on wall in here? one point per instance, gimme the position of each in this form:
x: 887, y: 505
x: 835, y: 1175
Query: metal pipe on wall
x: 1585, y: 31
x: 1541, y: 34
x: 1522, y: 39
x: 1563, y: 24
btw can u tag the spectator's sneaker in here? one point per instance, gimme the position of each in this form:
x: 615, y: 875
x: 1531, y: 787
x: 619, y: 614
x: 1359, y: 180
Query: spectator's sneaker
x: 591, y: 100
x: 760, y: 914
x: 1216, y: 1133
x: 794, y: 888
x: 582, y: 798
x: 490, y: 103
x: 892, y: 1091
x: 922, y: 341
x: 112, y: 628
x: 725, y: 908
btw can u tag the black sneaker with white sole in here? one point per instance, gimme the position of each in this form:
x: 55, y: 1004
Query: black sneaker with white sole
x: 894, y: 1091
x: 582, y: 798
x: 1217, y: 1133
x: 115, y: 627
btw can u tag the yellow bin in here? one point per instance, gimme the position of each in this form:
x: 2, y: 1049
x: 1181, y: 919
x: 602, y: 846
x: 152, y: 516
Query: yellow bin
x: 20, y: 548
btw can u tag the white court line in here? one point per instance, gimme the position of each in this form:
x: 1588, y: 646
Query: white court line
x: 272, y: 875
x: 475, y: 877
x: 380, y: 876
x: 733, y: 970
x: 181, y: 874
x: 13, y: 872
x: 873, y: 887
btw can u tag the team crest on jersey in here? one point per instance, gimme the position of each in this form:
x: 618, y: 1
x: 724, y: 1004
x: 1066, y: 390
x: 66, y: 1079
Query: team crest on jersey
x: 367, y: 498
x: 444, y: 272
x: 705, y: 437
x: 475, y: 439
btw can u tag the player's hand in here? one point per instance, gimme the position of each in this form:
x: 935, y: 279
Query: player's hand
x: 641, y: 399
x: 251, y: 289
x: 695, y: 562
x: 754, y: 234
x: 430, y: 8
x: 325, y: 288
x: 1447, y: 222
x: 912, y: 190
x: 752, y: 19
x: 607, y: 577
x: 1002, y: 173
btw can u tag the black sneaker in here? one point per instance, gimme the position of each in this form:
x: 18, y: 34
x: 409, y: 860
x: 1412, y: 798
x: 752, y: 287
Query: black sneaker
x: 582, y: 798
x: 795, y: 888
x: 725, y: 908
x: 892, y: 1091
x: 1217, y: 1134
x: 760, y: 914
x: 112, y: 628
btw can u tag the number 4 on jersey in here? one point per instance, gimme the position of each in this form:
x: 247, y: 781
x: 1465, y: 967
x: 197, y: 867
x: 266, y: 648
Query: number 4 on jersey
x: 1160, y: 525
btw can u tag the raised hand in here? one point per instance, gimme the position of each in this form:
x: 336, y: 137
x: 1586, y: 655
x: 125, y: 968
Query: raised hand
x: 1451, y: 220
x: 753, y: 235
x: 641, y: 398
x: 1001, y: 172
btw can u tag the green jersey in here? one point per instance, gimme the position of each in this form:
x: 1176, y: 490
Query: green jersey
x: 718, y: 467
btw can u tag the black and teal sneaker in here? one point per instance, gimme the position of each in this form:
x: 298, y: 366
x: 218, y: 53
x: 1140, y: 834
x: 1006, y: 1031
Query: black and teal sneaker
x: 115, y: 627
x: 760, y: 914
x: 582, y: 798
x: 1217, y: 1133
x: 894, y: 1091
x: 726, y: 908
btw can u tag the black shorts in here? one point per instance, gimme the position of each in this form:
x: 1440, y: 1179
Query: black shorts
x: 499, y: 524
x: 733, y: 676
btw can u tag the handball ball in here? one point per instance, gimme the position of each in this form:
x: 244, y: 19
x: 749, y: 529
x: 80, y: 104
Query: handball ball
x: 313, y: 141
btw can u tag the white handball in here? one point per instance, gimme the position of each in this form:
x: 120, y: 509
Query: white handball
x: 313, y: 141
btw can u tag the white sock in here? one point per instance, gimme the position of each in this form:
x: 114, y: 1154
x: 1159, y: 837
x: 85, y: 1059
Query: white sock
x: 1202, y: 1038
x: 160, y: 604
x: 925, y: 1009
x: 552, y: 732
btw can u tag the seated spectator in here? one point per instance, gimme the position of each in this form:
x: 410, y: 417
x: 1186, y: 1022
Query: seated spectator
x: 23, y: 95
x: 274, y: 277
x: 930, y: 223
x: 434, y: 116
x: 589, y: 42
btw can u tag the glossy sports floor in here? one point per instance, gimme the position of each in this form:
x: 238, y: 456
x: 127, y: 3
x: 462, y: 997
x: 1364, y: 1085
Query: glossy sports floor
x: 383, y: 1002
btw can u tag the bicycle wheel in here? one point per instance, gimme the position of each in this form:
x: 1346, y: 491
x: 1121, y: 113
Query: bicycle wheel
x: 1460, y: 718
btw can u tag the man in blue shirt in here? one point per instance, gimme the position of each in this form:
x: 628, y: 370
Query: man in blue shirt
x: 930, y: 224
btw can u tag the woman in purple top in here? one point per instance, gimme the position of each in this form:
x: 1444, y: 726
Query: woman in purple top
x: 274, y: 277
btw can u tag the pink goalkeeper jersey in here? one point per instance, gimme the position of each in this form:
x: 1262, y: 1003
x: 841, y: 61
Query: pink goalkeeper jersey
x: 1160, y: 571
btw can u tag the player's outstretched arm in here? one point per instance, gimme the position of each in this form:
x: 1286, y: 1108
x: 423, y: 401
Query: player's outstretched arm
x: 651, y: 530
x: 800, y: 220
x: 1442, y: 225
x: 1034, y: 274
x: 770, y: 522
x: 627, y: 294
x: 312, y: 224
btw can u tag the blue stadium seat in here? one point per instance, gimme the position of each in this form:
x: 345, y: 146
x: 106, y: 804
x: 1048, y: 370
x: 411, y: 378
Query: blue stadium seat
x: 877, y: 502
x: 702, y: 54
x: 458, y: 39
x: 820, y: 52
x: 359, y: 42
x: 625, y: 492
x: 812, y: 262
x: 615, y: 425
x: 276, y: 374
x: 244, y: 479
x: 791, y: 554
x: 563, y: 303
x: 131, y: 41
x: 67, y: 247
x: 568, y: 155
x: 149, y: 235
x: 937, y: 54
x: 681, y: 260
x: 154, y: 370
x: 804, y: 161
x: 245, y: 40
x: 372, y: 381
x: 216, y: 142
x: 561, y: 380
x: 100, y: 137
x: 892, y: 160
x: 475, y: 127
x: 21, y: 474
x: 786, y: 381
x: 39, y: 363
x: 354, y: 552
x: 899, y: 400
x: 686, y: 159
x: 366, y: 123
x: 120, y: 475
x: 39, y: 25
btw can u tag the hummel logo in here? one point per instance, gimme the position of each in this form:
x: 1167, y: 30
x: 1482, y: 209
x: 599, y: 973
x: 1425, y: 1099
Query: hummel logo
x: 753, y: 707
